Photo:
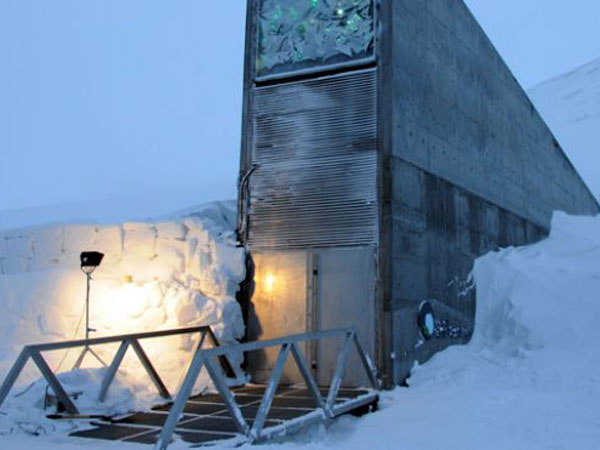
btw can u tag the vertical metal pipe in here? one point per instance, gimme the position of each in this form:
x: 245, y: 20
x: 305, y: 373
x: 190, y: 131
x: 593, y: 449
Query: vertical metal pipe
x: 87, y: 308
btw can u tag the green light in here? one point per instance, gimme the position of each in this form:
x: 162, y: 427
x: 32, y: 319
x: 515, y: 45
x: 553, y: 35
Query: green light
x: 340, y: 12
x: 315, y: 3
x: 293, y: 14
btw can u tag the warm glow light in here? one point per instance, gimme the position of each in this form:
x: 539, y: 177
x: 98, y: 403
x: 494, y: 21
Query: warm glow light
x: 127, y: 304
x: 270, y: 282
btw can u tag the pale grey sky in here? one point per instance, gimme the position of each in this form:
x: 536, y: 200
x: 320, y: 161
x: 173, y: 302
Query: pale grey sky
x: 540, y: 39
x: 111, y: 98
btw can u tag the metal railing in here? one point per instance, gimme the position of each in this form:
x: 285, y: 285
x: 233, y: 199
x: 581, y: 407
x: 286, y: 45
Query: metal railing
x: 34, y: 352
x: 328, y: 408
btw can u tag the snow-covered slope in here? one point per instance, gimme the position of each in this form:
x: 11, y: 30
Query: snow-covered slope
x: 570, y: 104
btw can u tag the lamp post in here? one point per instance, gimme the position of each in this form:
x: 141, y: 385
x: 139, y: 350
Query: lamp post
x: 89, y: 263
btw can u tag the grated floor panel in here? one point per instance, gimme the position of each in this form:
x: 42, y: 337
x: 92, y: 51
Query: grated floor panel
x: 206, y: 418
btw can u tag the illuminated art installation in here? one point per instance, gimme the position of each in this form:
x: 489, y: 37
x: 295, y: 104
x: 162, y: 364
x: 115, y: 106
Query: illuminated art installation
x: 293, y: 34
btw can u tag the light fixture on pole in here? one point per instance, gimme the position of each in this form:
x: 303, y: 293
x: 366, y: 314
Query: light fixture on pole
x: 89, y: 263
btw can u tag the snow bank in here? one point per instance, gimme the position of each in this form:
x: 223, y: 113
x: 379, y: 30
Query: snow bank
x: 529, y: 377
x: 527, y: 380
x: 570, y: 103
x: 170, y: 273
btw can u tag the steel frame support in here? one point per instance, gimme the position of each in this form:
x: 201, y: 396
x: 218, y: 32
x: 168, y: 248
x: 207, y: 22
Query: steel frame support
x: 13, y: 374
x: 269, y: 395
x: 34, y: 352
x: 61, y: 394
x: 218, y: 367
x: 177, y: 409
x: 208, y: 358
x: 306, y: 373
x: 112, y: 369
x: 150, y: 370
x: 340, y: 369
x: 227, y: 396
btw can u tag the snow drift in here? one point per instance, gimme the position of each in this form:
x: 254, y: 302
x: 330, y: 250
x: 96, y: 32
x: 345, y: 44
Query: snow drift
x: 529, y: 377
x: 165, y: 274
x: 527, y: 380
x: 570, y: 103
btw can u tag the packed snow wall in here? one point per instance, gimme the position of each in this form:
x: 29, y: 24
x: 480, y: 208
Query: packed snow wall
x: 181, y: 271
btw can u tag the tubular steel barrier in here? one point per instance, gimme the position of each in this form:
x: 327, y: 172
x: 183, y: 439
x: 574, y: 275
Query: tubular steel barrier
x: 327, y: 408
x: 34, y: 352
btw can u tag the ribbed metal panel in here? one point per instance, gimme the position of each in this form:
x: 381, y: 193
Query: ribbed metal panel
x: 315, y: 144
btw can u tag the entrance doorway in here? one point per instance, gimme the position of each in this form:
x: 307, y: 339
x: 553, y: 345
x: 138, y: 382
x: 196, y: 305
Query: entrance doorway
x: 302, y: 291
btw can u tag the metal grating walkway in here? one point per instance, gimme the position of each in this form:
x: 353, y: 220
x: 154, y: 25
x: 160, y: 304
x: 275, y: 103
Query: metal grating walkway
x: 206, y: 420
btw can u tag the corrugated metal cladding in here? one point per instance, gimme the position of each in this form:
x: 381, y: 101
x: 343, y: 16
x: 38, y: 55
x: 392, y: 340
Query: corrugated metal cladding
x: 315, y: 144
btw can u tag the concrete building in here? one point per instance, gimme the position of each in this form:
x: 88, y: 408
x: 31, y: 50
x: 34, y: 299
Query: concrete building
x: 386, y: 145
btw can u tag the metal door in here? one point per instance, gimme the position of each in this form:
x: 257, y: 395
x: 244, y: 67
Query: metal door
x: 345, y: 294
x: 278, y: 308
x: 309, y: 290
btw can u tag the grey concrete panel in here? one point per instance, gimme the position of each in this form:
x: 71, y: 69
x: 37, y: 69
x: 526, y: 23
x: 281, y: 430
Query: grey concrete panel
x: 475, y: 122
x: 432, y: 257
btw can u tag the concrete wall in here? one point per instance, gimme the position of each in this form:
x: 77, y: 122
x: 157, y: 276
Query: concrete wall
x: 460, y: 114
x: 438, y: 231
x: 473, y: 167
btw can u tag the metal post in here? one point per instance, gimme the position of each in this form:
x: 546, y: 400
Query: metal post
x: 311, y: 384
x: 87, y: 349
x: 87, y: 307
x: 150, y: 370
x: 267, y: 400
x: 227, y: 367
x: 227, y: 397
x: 367, y: 364
x: 197, y: 348
x: 112, y: 370
x: 14, y: 373
x: 182, y: 397
x: 340, y: 369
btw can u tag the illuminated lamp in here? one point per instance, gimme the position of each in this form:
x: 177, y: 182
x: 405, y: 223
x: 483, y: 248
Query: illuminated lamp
x: 426, y: 320
x: 270, y: 282
x: 89, y: 263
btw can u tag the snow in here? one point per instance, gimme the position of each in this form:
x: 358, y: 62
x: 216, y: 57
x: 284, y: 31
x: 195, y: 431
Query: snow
x: 570, y: 104
x: 119, y: 209
x: 528, y: 379
x: 171, y: 272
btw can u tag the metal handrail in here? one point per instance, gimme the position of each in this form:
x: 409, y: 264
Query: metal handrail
x: 289, y: 345
x: 34, y: 352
